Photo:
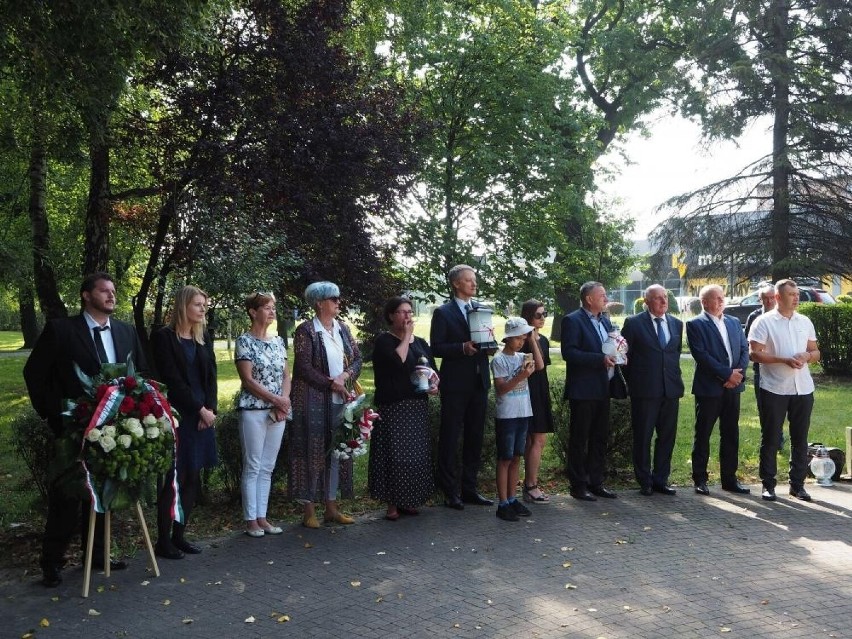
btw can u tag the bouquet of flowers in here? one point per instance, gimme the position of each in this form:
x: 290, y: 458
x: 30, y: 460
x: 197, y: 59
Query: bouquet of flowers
x: 350, y: 439
x: 128, y: 434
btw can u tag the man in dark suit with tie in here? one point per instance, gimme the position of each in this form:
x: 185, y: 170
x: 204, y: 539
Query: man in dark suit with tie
x: 720, y: 351
x: 587, y: 375
x: 653, y: 376
x: 464, y: 391
x: 88, y: 340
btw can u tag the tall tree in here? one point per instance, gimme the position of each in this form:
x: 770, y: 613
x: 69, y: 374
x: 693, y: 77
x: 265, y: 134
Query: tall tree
x: 789, y: 211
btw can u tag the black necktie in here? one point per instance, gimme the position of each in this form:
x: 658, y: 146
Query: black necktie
x: 99, y: 343
x: 661, y: 335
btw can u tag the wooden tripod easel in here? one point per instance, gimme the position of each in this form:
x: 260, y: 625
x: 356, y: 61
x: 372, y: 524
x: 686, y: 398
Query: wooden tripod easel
x: 90, y: 542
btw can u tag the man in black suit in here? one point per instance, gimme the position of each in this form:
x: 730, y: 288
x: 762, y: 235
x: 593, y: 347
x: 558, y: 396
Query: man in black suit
x: 587, y: 375
x: 464, y: 391
x: 653, y: 376
x: 720, y: 352
x: 88, y: 339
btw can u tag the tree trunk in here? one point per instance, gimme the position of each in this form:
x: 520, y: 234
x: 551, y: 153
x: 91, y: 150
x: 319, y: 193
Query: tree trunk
x: 45, y: 279
x: 27, y: 313
x: 780, y: 68
x: 99, y: 208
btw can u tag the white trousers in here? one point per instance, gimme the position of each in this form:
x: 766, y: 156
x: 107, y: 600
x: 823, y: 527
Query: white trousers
x: 261, y: 442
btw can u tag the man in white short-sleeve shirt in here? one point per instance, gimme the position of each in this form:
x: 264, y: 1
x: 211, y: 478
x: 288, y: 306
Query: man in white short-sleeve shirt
x: 784, y: 343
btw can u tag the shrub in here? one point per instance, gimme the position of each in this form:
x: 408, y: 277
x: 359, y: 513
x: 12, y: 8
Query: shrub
x: 619, y: 453
x: 695, y: 306
x: 833, y: 324
x: 673, y: 305
x: 35, y: 443
x: 615, y: 308
x: 844, y: 299
x: 638, y: 305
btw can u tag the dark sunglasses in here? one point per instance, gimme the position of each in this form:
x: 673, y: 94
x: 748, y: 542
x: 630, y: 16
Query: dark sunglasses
x: 336, y: 300
x: 541, y: 315
x: 257, y: 294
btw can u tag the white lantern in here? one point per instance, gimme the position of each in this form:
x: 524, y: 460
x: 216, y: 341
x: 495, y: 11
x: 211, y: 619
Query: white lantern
x: 480, y: 322
x: 822, y: 466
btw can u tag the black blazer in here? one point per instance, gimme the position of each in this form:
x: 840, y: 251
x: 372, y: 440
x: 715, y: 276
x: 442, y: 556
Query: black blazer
x: 582, y: 349
x: 49, y: 372
x: 712, y: 368
x: 459, y: 373
x: 652, y: 371
x: 171, y: 369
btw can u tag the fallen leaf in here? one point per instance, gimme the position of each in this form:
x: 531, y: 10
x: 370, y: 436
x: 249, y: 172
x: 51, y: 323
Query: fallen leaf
x: 628, y: 608
x: 93, y: 612
x: 270, y: 562
x: 182, y: 580
x: 646, y: 528
x: 167, y: 602
x: 592, y: 609
x: 724, y: 629
x: 490, y: 602
x: 567, y: 564
x: 250, y: 619
x: 145, y: 583
x: 764, y: 602
x: 478, y: 627
x: 28, y: 635
x: 455, y: 625
x: 381, y: 552
x: 283, y: 618
x: 326, y: 563
x: 308, y: 544
x: 54, y: 598
x: 399, y: 595
x: 666, y: 609
x: 187, y: 620
x: 570, y: 587
x: 44, y: 623
x: 100, y: 588
x: 354, y: 584
x: 619, y: 542
x: 379, y: 599
x: 566, y: 548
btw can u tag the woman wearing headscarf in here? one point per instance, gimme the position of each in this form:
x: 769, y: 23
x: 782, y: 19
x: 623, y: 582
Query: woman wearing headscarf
x: 326, y: 361
x: 185, y: 362
x: 400, y: 445
x: 263, y: 405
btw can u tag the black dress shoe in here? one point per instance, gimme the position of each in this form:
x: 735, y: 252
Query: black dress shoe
x: 800, y: 493
x: 665, y: 490
x: 737, y: 488
x: 114, y: 564
x: 186, y: 547
x: 583, y: 495
x: 646, y: 490
x: 702, y: 489
x: 476, y: 499
x: 167, y: 551
x: 768, y: 494
x: 51, y: 576
x: 602, y: 491
x: 454, y: 502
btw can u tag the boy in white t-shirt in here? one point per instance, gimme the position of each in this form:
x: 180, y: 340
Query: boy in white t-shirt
x: 511, y: 370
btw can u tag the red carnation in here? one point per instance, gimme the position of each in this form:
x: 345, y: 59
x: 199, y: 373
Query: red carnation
x: 157, y: 411
x: 353, y: 444
x: 128, y: 404
x: 144, y: 409
x: 130, y: 383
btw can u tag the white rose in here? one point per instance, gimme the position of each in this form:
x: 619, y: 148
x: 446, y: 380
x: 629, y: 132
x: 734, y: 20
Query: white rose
x: 152, y: 432
x: 107, y: 443
x: 125, y: 440
x: 109, y: 431
x: 131, y: 423
x: 149, y: 420
x: 138, y: 432
x: 93, y: 435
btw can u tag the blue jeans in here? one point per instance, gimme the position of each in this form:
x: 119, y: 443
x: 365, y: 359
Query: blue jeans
x: 511, y: 436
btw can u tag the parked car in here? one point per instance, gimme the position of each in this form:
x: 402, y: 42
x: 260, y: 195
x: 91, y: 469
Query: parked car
x: 751, y: 302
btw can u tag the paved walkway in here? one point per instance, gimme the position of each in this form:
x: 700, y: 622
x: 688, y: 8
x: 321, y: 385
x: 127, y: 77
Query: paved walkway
x: 684, y: 566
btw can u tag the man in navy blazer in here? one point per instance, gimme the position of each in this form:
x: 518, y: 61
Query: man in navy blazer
x: 587, y: 375
x: 654, y: 379
x: 464, y: 388
x: 720, y: 351
x: 50, y: 378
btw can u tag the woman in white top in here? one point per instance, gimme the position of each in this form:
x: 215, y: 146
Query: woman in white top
x: 263, y: 405
x: 327, y: 359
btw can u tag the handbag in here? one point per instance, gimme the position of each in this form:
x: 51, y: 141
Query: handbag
x: 618, y: 385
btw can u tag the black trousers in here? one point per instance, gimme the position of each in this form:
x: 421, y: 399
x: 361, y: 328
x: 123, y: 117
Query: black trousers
x: 726, y: 409
x: 648, y: 415
x: 587, y: 440
x: 462, y: 414
x: 67, y: 515
x: 774, y: 408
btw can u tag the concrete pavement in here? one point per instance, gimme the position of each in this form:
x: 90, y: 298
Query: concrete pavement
x: 659, y: 566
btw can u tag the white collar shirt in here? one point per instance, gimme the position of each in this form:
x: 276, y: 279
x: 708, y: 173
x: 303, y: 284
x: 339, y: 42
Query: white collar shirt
x: 664, y: 324
x: 106, y: 336
x: 783, y: 337
x: 723, y: 333
x: 333, y: 342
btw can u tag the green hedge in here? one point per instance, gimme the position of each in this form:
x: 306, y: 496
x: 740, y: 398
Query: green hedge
x: 833, y: 324
x: 35, y: 443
